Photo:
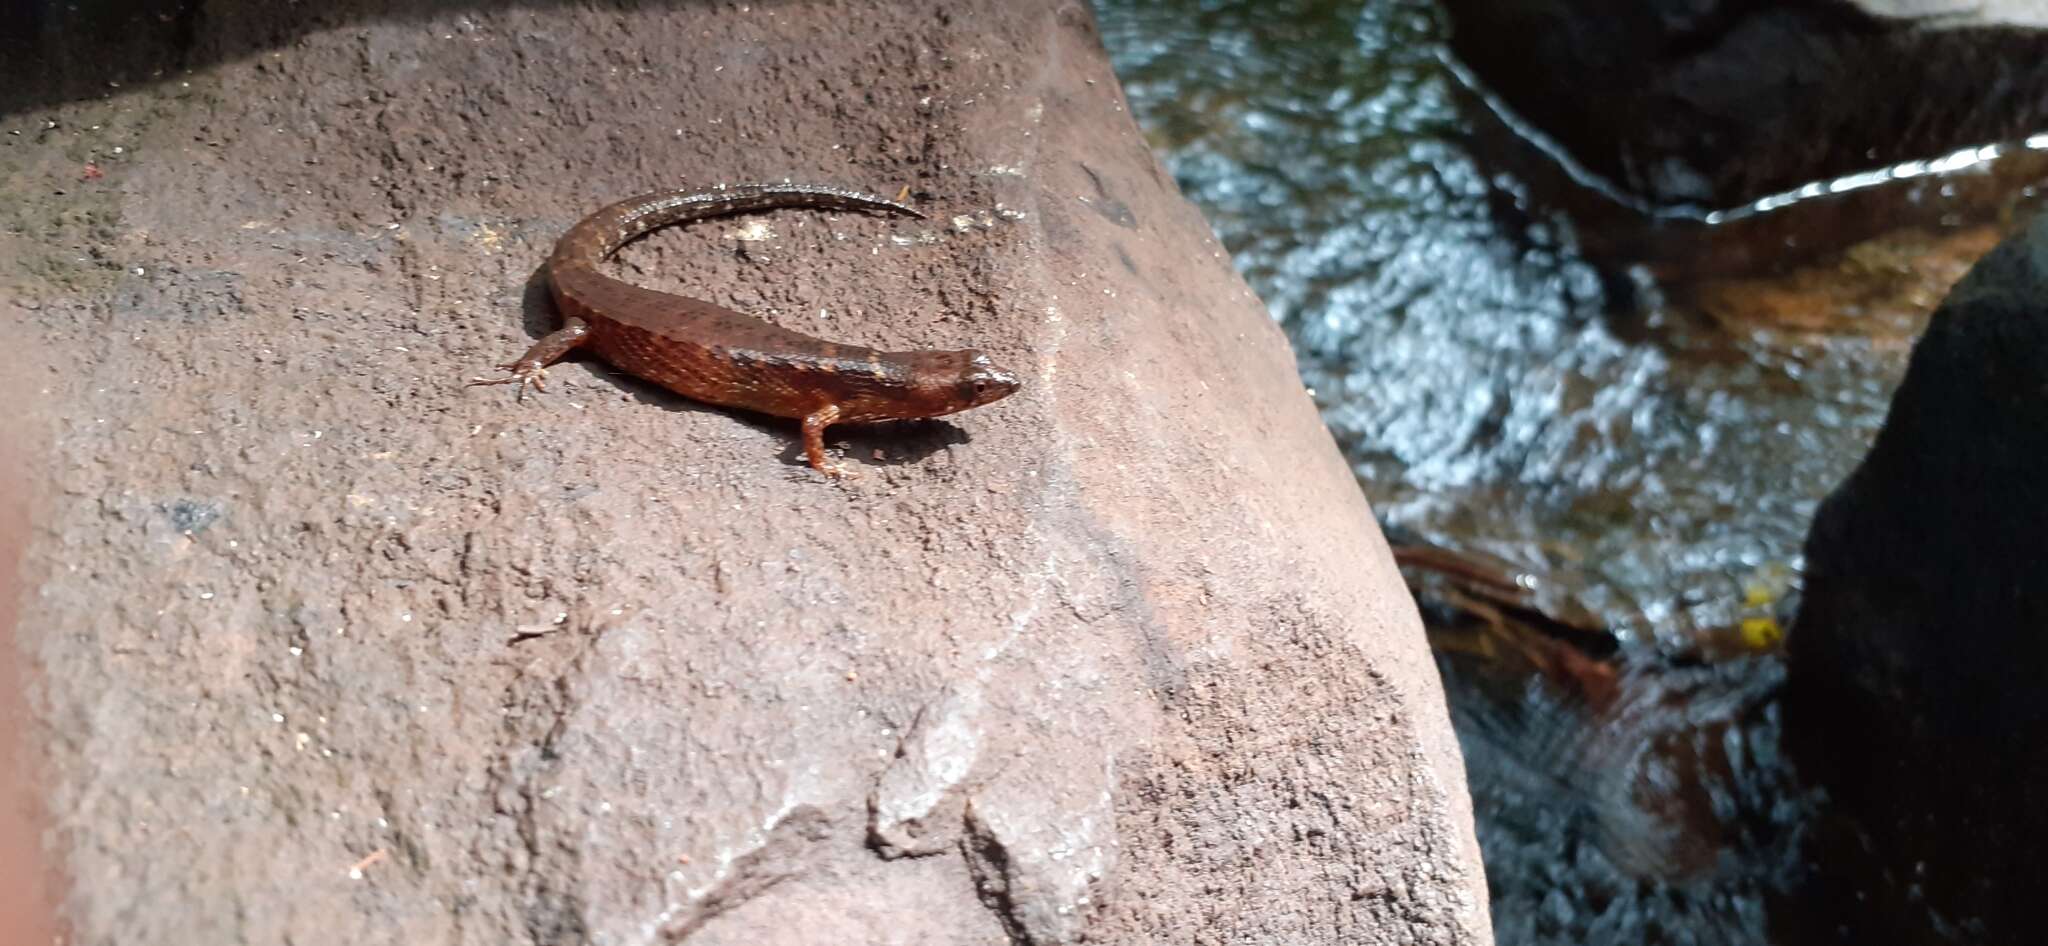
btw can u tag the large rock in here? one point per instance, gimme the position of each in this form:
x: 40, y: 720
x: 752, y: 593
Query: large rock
x: 332, y: 649
x: 25, y: 908
x: 1914, y: 694
x: 1720, y: 102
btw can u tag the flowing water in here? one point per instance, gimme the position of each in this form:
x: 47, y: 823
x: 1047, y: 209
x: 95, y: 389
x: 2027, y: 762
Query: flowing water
x: 1498, y: 393
x: 1468, y: 360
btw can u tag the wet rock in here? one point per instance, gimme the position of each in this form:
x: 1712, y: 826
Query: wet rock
x: 1716, y: 103
x: 329, y: 648
x: 1914, y: 692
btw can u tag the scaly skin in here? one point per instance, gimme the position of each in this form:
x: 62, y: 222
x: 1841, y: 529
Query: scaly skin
x: 713, y: 354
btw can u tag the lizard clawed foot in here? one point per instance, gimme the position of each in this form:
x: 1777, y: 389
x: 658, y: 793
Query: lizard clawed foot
x: 526, y: 374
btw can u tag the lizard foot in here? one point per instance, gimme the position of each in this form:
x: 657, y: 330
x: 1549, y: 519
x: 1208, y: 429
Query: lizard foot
x: 526, y: 374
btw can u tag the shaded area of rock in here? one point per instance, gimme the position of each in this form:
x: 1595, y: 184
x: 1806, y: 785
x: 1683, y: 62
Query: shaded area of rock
x: 332, y: 649
x: 1915, y: 660
x: 1721, y: 102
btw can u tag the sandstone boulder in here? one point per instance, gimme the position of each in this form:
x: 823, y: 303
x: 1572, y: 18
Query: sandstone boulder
x: 327, y: 648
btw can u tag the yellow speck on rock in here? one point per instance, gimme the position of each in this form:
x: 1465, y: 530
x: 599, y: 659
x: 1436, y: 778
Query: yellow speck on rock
x: 1761, y: 633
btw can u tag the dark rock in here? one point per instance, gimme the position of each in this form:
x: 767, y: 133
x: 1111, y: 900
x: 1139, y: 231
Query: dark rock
x: 1720, y: 102
x: 1916, y: 660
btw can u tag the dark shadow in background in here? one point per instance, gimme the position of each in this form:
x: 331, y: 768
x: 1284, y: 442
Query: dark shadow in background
x: 53, y: 51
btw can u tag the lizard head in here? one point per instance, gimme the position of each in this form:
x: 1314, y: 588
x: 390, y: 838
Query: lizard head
x: 929, y: 384
x: 979, y: 381
x: 943, y: 383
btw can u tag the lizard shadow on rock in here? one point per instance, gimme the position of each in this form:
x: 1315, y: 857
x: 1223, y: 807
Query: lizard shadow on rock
x: 889, y: 443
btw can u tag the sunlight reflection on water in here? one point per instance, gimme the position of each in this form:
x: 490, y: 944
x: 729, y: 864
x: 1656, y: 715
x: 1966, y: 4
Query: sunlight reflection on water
x: 1488, y: 390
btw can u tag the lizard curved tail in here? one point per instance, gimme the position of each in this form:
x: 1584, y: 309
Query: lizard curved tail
x: 602, y: 233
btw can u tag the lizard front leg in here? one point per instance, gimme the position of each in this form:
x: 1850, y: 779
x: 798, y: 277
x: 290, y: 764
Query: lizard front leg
x: 531, y: 369
x: 814, y: 441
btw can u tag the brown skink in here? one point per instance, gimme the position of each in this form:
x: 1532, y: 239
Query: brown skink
x: 713, y: 354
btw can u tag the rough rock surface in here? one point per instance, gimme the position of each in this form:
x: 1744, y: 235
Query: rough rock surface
x: 1914, y: 691
x: 332, y: 649
x: 25, y: 907
x: 1720, y: 102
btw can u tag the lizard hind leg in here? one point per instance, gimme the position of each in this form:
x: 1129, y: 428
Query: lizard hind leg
x: 814, y: 441
x: 531, y: 369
